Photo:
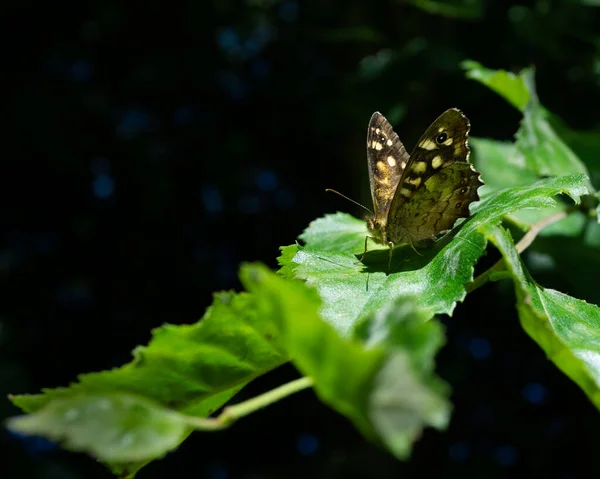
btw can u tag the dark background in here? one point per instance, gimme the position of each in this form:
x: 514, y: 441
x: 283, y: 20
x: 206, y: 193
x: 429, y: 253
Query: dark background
x: 151, y: 147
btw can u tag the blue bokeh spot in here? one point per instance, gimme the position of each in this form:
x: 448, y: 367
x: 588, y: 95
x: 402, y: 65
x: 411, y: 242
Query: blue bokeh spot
x: 229, y: 40
x: 103, y: 186
x: 506, y: 455
x: 307, y: 444
x: 480, y: 348
x: 212, y: 199
x: 133, y: 122
x: 82, y: 71
x: 266, y: 180
x: 535, y: 393
x: 34, y: 445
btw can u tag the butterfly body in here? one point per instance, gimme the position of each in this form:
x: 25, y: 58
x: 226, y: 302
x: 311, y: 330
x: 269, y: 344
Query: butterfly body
x: 418, y: 196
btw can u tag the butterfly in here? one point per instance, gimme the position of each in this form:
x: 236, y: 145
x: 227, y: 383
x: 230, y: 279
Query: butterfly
x: 416, y: 197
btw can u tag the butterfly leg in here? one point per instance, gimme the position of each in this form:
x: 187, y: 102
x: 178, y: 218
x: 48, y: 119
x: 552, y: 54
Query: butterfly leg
x: 413, y: 247
x: 365, y: 252
x: 391, y: 245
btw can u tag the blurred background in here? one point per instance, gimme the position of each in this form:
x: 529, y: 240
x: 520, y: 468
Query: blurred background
x: 151, y: 147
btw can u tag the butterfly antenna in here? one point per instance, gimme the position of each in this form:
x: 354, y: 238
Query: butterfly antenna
x: 351, y: 200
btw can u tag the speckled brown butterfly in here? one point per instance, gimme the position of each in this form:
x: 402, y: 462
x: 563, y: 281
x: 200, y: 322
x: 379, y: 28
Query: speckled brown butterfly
x: 417, y: 197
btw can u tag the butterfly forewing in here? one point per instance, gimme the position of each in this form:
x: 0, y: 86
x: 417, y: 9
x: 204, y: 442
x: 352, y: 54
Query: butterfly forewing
x: 387, y: 160
x: 444, y: 142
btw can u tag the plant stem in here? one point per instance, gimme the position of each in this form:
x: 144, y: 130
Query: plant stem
x: 521, y: 246
x: 231, y: 414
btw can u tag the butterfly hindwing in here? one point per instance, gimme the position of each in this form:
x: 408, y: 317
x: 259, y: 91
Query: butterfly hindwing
x: 387, y: 160
x: 446, y: 197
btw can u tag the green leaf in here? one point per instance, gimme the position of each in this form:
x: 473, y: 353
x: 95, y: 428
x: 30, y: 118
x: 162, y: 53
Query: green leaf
x: 500, y: 164
x: 393, y: 392
x: 193, y: 369
x: 575, y: 260
x: 567, y: 329
x: 511, y: 87
x: 112, y: 427
x: 585, y: 144
x: 544, y: 153
x: 352, y: 291
x: 572, y: 225
x: 538, y: 148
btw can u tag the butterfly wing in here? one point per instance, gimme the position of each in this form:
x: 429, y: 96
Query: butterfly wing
x: 438, y: 183
x: 445, y: 197
x: 387, y: 159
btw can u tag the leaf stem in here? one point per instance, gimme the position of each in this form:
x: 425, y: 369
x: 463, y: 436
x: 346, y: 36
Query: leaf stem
x: 231, y: 414
x: 521, y: 246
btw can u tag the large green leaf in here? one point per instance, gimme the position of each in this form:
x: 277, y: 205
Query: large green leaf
x: 567, y: 329
x: 193, y: 369
x: 544, y: 152
x: 499, y: 164
x: 509, y: 86
x: 392, y: 393
x: 538, y: 149
x: 352, y: 291
x: 114, y: 427
x: 585, y: 143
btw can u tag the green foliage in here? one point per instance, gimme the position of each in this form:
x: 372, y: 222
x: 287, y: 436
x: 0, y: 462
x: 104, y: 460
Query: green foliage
x: 332, y: 315
x: 511, y: 87
x: 393, y: 391
x: 538, y: 151
x: 565, y: 328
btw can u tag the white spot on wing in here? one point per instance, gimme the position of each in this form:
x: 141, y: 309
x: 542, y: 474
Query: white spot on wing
x: 420, y: 167
x: 428, y: 145
x: 391, y: 161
